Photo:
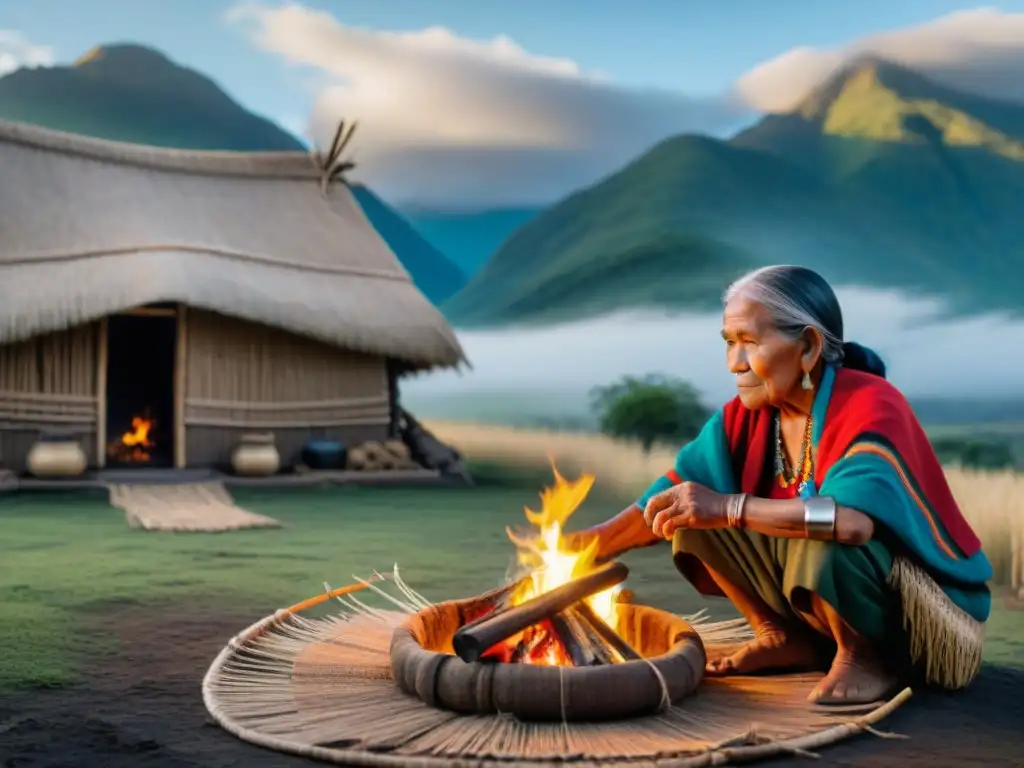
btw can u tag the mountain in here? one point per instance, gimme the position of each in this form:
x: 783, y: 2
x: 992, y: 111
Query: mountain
x: 131, y: 93
x: 435, y: 275
x: 468, y: 238
x: 880, y: 178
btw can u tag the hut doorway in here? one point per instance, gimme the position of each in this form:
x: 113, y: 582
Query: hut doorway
x: 141, y: 347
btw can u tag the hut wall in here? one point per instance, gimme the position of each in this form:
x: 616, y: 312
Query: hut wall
x: 243, y: 377
x: 48, y: 382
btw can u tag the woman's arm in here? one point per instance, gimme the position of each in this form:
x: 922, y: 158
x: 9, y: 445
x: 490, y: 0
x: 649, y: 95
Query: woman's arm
x: 626, y: 531
x: 784, y: 518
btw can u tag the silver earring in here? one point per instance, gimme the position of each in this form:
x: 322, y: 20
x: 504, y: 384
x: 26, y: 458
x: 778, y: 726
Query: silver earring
x: 806, y: 383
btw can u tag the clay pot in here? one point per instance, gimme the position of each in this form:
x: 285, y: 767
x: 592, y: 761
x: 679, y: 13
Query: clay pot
x: 324, y: 455
x: 256, y: 456
x: 56, y: 454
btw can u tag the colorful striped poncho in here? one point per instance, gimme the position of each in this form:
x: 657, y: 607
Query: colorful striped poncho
x: 872, y: 455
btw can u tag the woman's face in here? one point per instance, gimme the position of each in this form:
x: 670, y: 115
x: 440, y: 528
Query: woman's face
x: 769, y: 366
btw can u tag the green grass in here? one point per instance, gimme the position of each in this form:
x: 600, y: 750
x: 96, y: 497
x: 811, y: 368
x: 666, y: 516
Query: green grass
x: 65, y: 557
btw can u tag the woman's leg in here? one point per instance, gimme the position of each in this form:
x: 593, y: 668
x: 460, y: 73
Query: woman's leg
x: 845, y: 588
x: 785, y: 587
x: 858, y: 674
x: 744, y: 569
x: 778, y: 643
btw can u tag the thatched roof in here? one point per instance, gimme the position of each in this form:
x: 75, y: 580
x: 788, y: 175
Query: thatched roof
x: 90, y: 227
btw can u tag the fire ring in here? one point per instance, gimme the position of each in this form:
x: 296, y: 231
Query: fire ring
x: 424, y: 665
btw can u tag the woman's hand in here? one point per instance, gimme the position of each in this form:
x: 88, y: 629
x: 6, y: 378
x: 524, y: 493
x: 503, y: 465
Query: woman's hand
x: 687, y: 505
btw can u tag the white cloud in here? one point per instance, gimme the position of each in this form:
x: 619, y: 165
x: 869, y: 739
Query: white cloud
x: 444, y: 115
x: 912, y: 335
x: 981, y: 51
x: 17, y: 51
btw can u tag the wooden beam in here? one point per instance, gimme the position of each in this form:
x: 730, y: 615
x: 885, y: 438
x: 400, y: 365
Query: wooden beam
x: 391, y: 371
x: 284, y: 423
x: 149, y: 312
x: 180, y: 384
x: 340, y: 404
x: 47, y: 398
x: 101, y: 394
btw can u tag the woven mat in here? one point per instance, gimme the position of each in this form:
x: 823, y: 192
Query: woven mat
x: 322, y: 688
x: 197, y: 507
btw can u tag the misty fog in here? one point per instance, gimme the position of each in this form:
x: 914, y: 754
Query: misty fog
x: 927, y: 354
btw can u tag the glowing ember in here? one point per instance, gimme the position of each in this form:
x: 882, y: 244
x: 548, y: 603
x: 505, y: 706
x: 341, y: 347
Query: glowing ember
x: 551, y: 562
x: 133, y: 445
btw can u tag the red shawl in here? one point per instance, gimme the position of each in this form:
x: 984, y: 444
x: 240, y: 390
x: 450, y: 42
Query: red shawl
x: 862, y: 408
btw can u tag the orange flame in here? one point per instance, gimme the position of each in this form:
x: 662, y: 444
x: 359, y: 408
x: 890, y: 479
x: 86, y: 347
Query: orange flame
x: 552, y: 562
x: 133, y: 444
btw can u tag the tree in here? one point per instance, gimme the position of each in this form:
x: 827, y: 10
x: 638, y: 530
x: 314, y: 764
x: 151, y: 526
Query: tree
x: 650, y: 409
x: 976, y: 453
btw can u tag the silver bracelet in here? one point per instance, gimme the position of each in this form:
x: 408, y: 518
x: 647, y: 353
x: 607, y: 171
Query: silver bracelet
x: 734, y: 514
x: 820, y: 518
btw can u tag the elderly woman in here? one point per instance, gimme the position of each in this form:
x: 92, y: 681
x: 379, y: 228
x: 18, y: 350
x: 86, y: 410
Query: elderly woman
x: 814, y: 502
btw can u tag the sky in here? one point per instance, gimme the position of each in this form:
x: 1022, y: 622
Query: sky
x: 451, y: 94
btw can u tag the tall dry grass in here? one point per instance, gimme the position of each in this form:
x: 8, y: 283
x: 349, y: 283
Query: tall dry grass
x: 993, y: 502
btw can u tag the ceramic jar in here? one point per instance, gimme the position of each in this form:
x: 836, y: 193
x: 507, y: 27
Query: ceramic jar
x: 56, y: 454
x: 256, y: 456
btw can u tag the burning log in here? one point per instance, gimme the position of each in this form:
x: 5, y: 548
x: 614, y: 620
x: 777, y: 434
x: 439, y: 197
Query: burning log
x: 583, y: 643
x: 606, y: 633
x: 471, y: 642
x: 501, y: 603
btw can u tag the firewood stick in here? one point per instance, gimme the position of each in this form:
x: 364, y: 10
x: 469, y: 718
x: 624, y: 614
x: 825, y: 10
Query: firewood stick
x: 471, y: 642
x: 501, y: 603
x: 603, y: 653
x: 607, y: 634
x: 578, y: 647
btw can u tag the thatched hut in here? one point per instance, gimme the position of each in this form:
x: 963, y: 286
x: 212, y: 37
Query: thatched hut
x: 212, y: 293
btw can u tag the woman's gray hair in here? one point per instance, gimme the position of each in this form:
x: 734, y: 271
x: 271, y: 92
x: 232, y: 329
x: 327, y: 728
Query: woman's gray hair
x: 796, y: 298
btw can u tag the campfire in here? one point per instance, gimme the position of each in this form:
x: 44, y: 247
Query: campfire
x: 134, y: 446
x: 563, y: 612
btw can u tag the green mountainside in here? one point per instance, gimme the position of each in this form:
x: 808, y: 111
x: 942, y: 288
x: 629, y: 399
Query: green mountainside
x: 131, y: 93
x: 468, y: 238
x: 435, y: 275
x: 879, y: 178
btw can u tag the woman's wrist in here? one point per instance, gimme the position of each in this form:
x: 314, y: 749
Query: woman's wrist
x: 626, y: 531
x: 735, y: 508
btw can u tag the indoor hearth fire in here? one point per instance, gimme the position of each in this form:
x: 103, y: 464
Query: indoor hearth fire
x: 563, y: 612
x: 135, y: 446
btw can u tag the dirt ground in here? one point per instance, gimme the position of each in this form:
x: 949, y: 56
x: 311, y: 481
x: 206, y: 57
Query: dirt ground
x: 142, y: 708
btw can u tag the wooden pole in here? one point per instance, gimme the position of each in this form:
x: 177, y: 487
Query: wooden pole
x: 180, y: 384
x: 606, y: 633
x: 574, y: 638
x: 101, y: 393
x: 472, y: 642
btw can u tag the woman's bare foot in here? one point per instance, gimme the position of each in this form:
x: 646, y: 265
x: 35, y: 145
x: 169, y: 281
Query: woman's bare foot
x: 855, y: 678
x: 771, y: 648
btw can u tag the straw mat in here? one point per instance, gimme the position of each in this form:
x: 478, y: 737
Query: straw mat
x: 196, y: 507
x: 322, y: 688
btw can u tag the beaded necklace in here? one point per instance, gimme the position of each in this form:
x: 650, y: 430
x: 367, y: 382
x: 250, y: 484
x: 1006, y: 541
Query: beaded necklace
x: 783, y: 470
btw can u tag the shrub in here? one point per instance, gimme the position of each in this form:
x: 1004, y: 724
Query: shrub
x: 650, y: 410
